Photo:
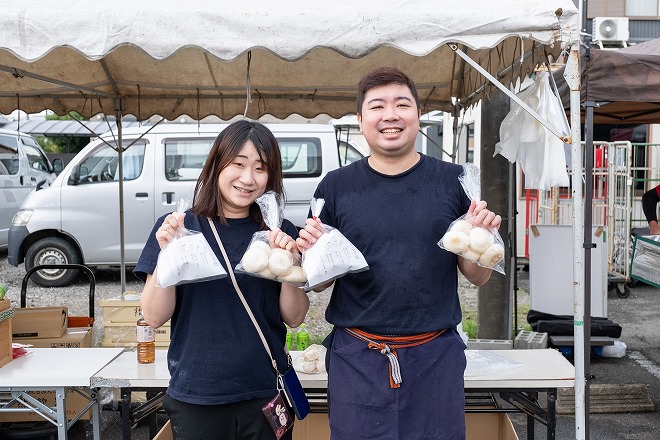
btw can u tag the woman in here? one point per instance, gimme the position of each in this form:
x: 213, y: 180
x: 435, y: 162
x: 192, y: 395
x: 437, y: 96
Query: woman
x: 221, y: 375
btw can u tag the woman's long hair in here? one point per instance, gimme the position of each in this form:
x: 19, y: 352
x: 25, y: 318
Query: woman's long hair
x: 207, y: 201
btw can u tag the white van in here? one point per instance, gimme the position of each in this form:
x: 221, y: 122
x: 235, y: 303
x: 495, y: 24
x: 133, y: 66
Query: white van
x: 24, y: 168
x: 76, y: 219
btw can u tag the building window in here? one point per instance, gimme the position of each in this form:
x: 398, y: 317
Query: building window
x: 642, y: 8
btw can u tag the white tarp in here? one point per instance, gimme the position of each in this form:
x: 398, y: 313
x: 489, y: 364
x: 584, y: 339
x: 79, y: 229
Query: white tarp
x: 198, y: 58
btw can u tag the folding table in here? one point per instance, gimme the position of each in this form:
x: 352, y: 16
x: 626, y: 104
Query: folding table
x: 59, y: 370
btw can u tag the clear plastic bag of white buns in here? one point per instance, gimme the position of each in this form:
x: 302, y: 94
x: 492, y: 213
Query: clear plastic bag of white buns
x: 311, y: 360
x: 474, y: 243
x: 261, y: 259
x: 188, y: 258
x: 332, y: 256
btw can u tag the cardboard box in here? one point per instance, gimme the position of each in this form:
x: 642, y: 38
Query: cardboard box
x: 165, y: 433
x: 125, y: 311
x: 74, y: 403
x: 479, y: 426
x: 6, y: 313
x: 489, y: 426
x: 75, y: 337
x: 315, y: 426
x: 39, y: 322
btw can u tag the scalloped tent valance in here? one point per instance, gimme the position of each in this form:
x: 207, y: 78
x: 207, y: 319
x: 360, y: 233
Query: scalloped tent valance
x: 204, y: 58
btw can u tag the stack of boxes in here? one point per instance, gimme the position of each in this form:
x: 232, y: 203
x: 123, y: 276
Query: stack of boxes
x: 120, y: 317
x: 47, y: 327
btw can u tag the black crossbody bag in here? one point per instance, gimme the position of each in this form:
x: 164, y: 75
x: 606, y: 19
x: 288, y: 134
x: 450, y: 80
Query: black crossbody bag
x: 287, y: 383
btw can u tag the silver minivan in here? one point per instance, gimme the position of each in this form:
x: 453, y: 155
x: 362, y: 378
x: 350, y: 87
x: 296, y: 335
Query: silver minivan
x: 76, y: 219
x: 24, y: 168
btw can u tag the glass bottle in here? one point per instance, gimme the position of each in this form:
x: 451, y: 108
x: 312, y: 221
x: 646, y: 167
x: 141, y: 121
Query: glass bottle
x: 146, y: 342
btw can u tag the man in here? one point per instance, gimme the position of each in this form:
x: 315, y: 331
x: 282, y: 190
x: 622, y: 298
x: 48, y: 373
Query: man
x: 650, y: 201
x: 395, y: 360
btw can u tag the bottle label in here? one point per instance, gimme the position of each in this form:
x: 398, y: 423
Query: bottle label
x: 145, y: 334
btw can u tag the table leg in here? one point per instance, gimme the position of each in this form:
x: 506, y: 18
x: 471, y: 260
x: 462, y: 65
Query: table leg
x: 62, y: 422
x: 96, y: 416
x: 530, y: 427
x: 126, y: 413
x: 552, y: 412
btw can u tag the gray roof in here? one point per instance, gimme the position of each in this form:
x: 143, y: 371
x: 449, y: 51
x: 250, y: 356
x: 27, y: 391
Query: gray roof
x: 52, y: 128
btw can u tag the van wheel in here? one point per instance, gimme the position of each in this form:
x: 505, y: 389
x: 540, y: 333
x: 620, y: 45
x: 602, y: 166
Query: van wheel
x: 52, y: 250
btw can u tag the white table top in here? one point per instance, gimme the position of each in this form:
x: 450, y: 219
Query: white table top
x: 487, y: 369
x: 56, y: 367
x: 491, y: 369
x: 125, y: 371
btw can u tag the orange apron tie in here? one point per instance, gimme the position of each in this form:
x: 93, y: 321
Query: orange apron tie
x: 387, y: 346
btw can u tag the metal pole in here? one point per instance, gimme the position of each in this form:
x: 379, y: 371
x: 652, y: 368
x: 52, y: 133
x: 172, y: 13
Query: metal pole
x: 572, y: 75
x: 588, y: 245
x: 120, y: 158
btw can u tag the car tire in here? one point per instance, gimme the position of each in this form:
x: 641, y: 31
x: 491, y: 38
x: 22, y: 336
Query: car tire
x: 52, y: 250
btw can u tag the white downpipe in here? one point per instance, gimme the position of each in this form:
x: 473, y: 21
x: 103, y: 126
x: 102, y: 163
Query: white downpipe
x: 572, y: 75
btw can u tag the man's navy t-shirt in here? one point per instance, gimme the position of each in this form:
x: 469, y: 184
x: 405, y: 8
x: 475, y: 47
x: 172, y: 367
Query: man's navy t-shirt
x: 396, y: 222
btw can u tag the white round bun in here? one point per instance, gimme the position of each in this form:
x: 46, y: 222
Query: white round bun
x: 258, y: 244
x: 266, y: 273
x: 492, y: 256
x: 469, y: 254
x: 462, y: 225
x: 254, y: 260
x: 456, y: 241
x: 480, y: 240
x: 280, y: 262
x: 297, y: 275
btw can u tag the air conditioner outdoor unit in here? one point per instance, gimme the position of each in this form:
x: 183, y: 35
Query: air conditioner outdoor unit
x: 610, y: 29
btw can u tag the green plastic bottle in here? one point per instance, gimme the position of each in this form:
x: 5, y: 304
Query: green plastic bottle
x: 289, y: 338
x: 302, y: 338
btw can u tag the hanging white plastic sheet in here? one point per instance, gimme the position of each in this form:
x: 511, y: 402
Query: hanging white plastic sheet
x: 542, y: 155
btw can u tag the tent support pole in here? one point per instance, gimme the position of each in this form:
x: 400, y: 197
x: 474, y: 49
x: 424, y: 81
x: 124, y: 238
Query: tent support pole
x: 572, y: 76
x: 564, y: 138
x: 120, y: 158
x: 588, y: 245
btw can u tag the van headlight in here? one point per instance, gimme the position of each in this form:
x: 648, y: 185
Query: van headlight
x: 22, y: 217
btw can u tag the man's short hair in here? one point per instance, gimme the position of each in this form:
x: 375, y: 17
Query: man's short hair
x: 383, y: 76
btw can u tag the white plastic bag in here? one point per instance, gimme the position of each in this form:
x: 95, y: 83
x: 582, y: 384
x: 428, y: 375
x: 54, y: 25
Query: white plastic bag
x: 262, y: 260
x: 188, y: 258
x: 475, y: 243
x: 332, y: 256
x: 542, y: 156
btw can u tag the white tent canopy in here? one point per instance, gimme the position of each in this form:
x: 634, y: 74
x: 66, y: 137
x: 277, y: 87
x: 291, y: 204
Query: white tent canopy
x: 215, y: 57
x: 203, y: 58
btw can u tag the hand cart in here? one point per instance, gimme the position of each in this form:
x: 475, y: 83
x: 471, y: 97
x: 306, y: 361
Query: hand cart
x: 73, y: 321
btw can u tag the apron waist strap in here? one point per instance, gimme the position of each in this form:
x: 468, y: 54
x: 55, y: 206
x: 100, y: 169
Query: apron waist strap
x: 387, y: 345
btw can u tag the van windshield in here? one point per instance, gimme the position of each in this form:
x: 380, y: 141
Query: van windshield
x: 102, y: 164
